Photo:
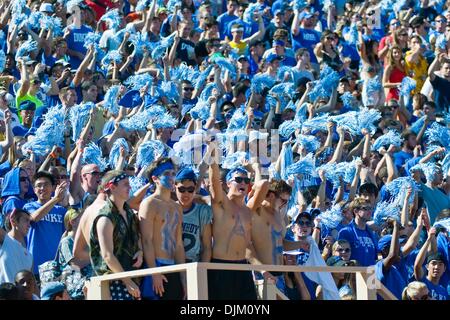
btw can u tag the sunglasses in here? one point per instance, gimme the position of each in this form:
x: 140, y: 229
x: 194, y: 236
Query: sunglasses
x: 241, y: 179
x: 23, y: 179
x: 342, y: 250
x: 184, y: 189
x: 188, y: 89
x: 404, y: 34
x: 366, y: 208
x: 441, y: 21
x: 395, y: 24
x: 305, y: 223
x: 94, y: 173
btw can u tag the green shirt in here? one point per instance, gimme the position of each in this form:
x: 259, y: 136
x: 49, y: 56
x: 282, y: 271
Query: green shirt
x: 125, y: 238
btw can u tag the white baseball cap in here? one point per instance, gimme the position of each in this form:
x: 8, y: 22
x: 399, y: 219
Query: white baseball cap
x: 46, y: 7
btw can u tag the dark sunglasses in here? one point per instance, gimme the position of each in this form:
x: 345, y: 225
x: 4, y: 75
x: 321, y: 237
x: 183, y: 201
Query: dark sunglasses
x: 184, y: 189
x: 23, y: 179
x: 404, y: 34
x: 366, y: 208
x: 94, y: 173
x: 305, y: 223
x: 342, y: 250
x: 241, y: 179
x: 441, y: 21
x: 188, y: 89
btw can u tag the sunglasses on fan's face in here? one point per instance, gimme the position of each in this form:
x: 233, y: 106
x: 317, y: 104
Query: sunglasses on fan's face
x: 242, y: 179
x: 343, y: 250
x: 184, y: 189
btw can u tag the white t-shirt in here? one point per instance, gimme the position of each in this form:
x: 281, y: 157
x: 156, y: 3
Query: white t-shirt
x: 14, y: 257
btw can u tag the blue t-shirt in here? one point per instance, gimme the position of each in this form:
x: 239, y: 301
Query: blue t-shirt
x: 10, y: 203
x: 75, y: 41
x: 401, y: 157
x: 437, y: 292
x: 306, y: 38
x: 392, y: 279
x: 44, y: 235
x: 224, y: 19
x: 435, y: 200
x: 363, y: 243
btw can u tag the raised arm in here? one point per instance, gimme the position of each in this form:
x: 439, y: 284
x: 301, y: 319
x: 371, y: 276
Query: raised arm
x: 258, y: 35
x: 337, y: 155
x: 435, y: 65
x: 414, y: 238
x: 47, y: 207
x: 9, y: 136
x: 217, y: 193
x: 389, y: 261
x: 420, y: 259
x: 260, y: 192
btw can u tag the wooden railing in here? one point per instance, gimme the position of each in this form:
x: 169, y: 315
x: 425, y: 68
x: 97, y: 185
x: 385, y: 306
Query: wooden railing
x: 367, y: 286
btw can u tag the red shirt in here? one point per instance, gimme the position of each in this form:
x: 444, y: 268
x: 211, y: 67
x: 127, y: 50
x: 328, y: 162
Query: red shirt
x: 100, y: 7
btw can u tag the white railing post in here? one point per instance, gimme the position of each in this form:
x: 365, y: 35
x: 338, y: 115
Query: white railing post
x: 365, y: 290
x: 197, y: 282
x: 97, y: 289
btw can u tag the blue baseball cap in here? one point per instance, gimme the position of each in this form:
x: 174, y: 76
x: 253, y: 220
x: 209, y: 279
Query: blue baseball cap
x: 385, y: 241
x: 277, y: 11
x: 186, y: 174
x: 272, y: 57
x: 305, y: 15
x: 27, y: 105
x: 50, y: 289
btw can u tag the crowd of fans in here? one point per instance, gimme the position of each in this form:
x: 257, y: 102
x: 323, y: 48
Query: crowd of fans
x: 138, y: 134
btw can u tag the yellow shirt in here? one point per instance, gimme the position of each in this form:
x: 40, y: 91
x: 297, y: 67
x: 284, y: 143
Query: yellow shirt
x: 239, y: 47
x: 28, y: 97
x: 418, y: 71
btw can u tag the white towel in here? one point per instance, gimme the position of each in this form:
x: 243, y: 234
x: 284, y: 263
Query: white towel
x: 325, y: 279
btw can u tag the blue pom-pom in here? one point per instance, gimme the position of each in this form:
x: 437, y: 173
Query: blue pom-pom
x: 139, y: 81
x: 262, y: 82
x: 417, y: 125
x: 332, y: 217
x: 136, y: 183
x: 392, y: 137
x: 226, y: 64
x: 287, y: 128
x: 111, y: 56
x: 112, y: 18
x: 111, y: 100
x: 385, y: 210
x: 438, y: 134
x: 398, y: 188
x: 310, y: 143
x: 317, y: 123
x: 441, y: 42
x: 185, y: 72
x: 49, y: 133
x: 149, y: 152
x: 200, y: 81
x: 348, y: 100
x: 305, y: 165
x: 367, y: 118
x: 445, y: 164
x: 2, y: 60
x: 93, y: 155
x: 234, y: 160
x: 92, y: 38
x: 26, y: 48
x: 166, y: 120
x: 429, y: 169
x: 407, y: 86
x: 237, y: 121
x: 248, y: 13
x: 300, y: 4
x: 170, y: 90
x: 201, y: 110
x: 115, y: 151
x: 78, y: 116
x: 72, y: 3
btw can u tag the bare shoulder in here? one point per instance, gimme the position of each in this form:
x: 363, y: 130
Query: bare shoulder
x: 149, y: 205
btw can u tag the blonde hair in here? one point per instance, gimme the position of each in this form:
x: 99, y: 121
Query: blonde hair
x: 413, y: 289
x: 71, y: 215
x: 340, y: 242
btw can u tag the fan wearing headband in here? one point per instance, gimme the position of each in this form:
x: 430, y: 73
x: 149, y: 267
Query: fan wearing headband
x: 197, y: 218
x: 114, y: 239
x: 160, y: 220
x: 232, y: 224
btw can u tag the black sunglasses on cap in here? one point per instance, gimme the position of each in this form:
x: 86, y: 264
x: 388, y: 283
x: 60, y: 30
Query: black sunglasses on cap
x: 184, y: 189
x: 242, y: 179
